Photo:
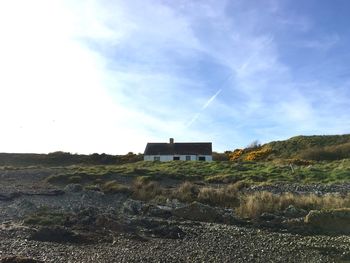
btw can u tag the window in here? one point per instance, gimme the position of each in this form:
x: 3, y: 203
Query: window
x: 156, y: 158
x: 188, y: 158
x: 201, y: 158
x: 176, y: 158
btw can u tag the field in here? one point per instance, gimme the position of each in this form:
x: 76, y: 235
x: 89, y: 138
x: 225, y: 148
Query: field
x: 213, y: 172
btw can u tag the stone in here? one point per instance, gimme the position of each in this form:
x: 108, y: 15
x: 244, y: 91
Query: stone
x: 293, y: 212
x: 332, y: 221
x: 159, y: 211
x: 133, y: 207
x: 199, y: 212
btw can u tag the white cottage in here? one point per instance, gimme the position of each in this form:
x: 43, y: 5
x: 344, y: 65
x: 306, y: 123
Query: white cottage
x: 192, y: 151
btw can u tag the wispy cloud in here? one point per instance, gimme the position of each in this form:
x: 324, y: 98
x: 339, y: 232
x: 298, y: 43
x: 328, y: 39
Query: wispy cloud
x: 116, y: 74
x: 205, y: 105
x: 324, y: 43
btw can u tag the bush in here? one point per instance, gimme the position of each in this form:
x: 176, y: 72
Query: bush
x: 258, y: 154
x: 236, y: 154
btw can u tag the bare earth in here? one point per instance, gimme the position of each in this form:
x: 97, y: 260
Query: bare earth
x: 131, y: 233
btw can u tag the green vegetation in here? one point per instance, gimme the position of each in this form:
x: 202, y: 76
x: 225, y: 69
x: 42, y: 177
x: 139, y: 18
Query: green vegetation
x: 317, y: 147
x: 45, y: 217
x: 209, y: 172
x: 64, y: 159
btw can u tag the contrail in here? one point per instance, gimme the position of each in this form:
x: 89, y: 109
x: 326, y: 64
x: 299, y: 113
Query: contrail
x: 211, y: 99
x: 195, y: 117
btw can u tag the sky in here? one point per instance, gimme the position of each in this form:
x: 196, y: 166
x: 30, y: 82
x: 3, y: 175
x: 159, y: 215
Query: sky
x: 108, y: 76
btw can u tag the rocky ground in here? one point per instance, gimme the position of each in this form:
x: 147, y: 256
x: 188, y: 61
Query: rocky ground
x: 90, y: 226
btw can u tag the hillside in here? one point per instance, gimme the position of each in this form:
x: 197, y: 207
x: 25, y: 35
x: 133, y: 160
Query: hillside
x: 316, y: 147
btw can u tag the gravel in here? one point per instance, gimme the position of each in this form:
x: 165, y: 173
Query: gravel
x: 318, y: 189
x: 202, y: 242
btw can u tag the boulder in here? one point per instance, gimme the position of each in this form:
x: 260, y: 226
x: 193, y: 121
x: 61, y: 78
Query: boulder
x: 333, y: 221
x: 199, y: 212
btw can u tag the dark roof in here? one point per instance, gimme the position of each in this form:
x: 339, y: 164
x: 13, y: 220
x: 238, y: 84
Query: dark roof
x: 180, y: 148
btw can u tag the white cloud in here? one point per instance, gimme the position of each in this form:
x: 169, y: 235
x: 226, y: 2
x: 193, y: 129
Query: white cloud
x: 108, y: 76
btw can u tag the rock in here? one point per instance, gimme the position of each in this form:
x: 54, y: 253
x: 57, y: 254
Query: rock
x: 174, y: 203
x: 166, y: 231
x: 333, y: 221
x: 57, y: 234
x: 133, y: 207
x: 74, y: 188
x: 268, y: 216
x: 106, y: 222
x: 159, y: 211
x: 157, y: 228
x: 17, y: 259
x: 199, y: 212
x: 293, y: 212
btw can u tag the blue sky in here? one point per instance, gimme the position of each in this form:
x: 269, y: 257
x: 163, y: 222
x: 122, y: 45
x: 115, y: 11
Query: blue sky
x: 110, y: 76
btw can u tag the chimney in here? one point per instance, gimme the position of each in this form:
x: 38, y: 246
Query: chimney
x: 171, y: 140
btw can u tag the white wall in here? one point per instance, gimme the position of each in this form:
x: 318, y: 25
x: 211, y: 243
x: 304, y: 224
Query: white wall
x: 165, y: 158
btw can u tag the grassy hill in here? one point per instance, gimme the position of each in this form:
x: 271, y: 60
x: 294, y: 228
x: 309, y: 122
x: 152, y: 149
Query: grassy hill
x: 317, y: 147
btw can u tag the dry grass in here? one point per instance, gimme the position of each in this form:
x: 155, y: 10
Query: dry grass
x: 143, y: 190
x: 113, y: 187
x: 186, y: 192
x: 253, y: 205
x: 227, y: 196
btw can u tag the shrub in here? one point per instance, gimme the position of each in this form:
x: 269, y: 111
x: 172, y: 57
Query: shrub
x: 258, y: 154
x: 236, y: 154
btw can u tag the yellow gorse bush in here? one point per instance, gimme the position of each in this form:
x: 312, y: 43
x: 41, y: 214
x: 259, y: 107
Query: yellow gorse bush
x: 258, y: 154
x: 236, y: 154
